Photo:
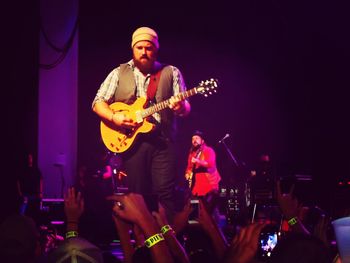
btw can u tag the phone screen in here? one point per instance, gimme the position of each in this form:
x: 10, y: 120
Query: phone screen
x: 193, y: 217
x: 268, y: 241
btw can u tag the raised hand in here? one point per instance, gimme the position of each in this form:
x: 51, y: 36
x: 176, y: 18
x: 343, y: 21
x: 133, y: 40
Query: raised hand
x: 160, y: 216
x: 288, y: 203
x: 244, y: 245
x: 209, y: 225
x: 131, y: 207
x: 290, y: 208
x: 124, y: 228
x: 73, y: 205
x: 181, y: 218
x: 320, y: 229
x: 204, y: 218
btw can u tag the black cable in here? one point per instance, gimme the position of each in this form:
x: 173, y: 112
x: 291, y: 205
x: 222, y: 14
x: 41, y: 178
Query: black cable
x: 63, y: 51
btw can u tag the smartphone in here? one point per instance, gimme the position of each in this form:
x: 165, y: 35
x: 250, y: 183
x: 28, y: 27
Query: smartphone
x: 193, y: 217
x: 267, y: 242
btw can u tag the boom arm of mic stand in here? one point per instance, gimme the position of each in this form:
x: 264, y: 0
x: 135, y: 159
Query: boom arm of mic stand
x: 230, y: 154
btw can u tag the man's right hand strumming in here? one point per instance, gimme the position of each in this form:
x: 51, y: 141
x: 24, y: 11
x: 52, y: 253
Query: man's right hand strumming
x: 120, y: 119
x: 123, y: 120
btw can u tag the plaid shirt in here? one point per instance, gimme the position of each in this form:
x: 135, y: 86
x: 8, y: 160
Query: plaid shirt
x: 108, y: 87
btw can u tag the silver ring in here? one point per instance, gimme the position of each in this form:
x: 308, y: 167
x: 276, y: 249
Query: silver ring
x: 119, y: 204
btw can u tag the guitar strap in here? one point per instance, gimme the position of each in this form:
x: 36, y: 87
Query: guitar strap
x: 153, y: 85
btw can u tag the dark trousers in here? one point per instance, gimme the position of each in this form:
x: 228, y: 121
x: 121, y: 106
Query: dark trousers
x: 151, y: 170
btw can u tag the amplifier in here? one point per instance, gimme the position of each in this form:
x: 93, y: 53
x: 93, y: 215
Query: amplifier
x: 229, y: 201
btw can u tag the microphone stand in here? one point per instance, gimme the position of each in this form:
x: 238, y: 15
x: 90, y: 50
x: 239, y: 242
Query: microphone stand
x: 243, y: 195
x: 230, y: 153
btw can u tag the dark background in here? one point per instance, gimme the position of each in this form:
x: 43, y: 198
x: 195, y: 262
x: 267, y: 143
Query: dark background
x: 282, y: 65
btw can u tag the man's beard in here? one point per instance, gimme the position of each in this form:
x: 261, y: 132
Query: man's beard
x: 144, y: 66
x: 195, y: 147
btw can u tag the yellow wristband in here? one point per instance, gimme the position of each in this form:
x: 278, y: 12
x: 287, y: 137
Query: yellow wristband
x: 151, y: 241
x: 165, y: 229
x: 70, y: 234
x: 293, y: 221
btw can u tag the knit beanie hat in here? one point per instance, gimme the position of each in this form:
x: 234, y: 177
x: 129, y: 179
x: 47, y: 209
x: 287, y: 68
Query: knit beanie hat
x: 145, y: 33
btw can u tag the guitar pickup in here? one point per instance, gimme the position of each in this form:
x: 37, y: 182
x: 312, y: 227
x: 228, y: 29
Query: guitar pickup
x: 138, y: 116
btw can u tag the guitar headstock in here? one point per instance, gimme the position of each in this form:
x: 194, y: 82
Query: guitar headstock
x: 207, y: 87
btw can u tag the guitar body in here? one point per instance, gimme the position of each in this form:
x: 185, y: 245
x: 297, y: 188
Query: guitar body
x: 190, y: 180
x: 192, y: 176
x: 118, y: 139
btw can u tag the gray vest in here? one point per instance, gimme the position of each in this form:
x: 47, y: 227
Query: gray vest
x: 126, y: 93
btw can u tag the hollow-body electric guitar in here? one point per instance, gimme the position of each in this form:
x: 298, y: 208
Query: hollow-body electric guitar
x: 191, y: 178
x: 119, y: 140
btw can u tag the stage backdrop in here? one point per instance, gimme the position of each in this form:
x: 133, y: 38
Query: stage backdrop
x: 282, y: 71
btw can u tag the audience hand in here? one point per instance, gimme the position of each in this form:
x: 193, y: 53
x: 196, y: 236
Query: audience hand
x: 131, y: 207
x: 138, y: 235
x: 320, y: 229
x: 205, y: 219
x: 288, y: 203
x: 124, y: 228
x: 160, y: 216
x: 176, y: 249
x: 291, y: 208
x: 209, y: 225
x: 181, y: 218
x: 122, y: 225
x: 73, y: 205
x: 244, y: 245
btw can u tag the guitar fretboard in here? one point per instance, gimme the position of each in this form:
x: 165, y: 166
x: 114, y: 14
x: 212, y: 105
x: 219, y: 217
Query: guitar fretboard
x: 164, y: 104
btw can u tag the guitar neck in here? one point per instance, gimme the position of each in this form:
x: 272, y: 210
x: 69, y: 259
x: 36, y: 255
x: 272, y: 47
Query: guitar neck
x: 164, y: 104
x: 198, y: 153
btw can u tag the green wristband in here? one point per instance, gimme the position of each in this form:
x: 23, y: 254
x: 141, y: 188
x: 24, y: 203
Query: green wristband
x: 293, y: 221
x: 71, y: 234
x: 165, y: 229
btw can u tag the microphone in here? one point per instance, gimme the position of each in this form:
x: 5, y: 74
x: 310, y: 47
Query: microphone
x: 225, y: 137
